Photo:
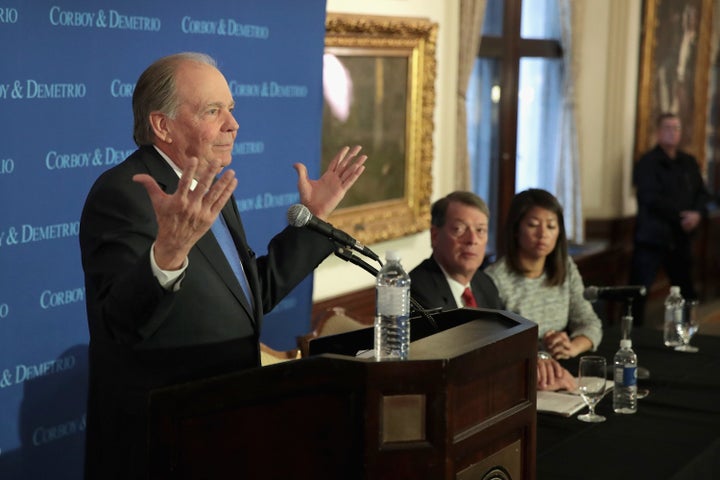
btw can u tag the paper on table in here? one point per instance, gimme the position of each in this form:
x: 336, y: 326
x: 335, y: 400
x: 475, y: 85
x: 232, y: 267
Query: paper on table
x: 564, y: 402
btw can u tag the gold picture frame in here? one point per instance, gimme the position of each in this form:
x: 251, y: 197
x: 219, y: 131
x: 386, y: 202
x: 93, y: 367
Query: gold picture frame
x: 675, y: 59
x: 378, y: 86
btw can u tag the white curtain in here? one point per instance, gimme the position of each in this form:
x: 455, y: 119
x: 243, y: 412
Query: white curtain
x: 472, y: 15
x: 568, y: 189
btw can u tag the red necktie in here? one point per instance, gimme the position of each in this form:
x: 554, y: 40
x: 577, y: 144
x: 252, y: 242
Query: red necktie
x: 468, y: 298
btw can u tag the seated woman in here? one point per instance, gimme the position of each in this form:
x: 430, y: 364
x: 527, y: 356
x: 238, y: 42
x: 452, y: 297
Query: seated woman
x: 537, y: 279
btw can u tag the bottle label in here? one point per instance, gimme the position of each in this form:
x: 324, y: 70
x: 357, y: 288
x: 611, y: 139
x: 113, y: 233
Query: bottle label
x: 392, y: 300
x: 626, y: 376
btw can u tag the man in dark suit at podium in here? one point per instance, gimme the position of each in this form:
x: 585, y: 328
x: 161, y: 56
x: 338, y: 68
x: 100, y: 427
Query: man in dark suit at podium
x: 173, y: 291
x: 451, y: 278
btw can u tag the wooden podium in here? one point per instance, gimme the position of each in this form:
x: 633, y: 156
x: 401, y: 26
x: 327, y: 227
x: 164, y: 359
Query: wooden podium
x: 462, y: 406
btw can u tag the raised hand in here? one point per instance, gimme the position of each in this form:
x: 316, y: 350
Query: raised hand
x: 321, y: 196
x: 186, y: 215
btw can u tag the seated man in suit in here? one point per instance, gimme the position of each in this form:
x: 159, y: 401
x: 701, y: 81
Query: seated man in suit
x: 452, y: 278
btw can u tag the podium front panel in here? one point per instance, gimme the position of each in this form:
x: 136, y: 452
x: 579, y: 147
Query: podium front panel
x: 466, y: 393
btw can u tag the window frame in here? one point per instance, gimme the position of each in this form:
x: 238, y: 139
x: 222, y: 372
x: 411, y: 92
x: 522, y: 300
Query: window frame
x: 508, y: 49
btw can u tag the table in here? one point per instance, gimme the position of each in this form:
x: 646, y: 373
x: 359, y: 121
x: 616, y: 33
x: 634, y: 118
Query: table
x: 675, y: 433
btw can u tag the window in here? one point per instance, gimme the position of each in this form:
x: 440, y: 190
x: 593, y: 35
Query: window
x: 514, y: 104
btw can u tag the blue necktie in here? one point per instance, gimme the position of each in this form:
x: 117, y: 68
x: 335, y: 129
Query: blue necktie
x: 222, y: 234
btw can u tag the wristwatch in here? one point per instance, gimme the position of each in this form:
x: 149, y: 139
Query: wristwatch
x: 544, y: 355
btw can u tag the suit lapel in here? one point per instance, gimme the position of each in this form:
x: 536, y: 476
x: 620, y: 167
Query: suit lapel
x: 247, y: 256
x: 441, y: 285
x: 210, y: 248
x: 159, y: 169
x: 207, y: 245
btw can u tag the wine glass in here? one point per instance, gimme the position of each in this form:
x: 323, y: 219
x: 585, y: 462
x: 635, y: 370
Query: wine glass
x: 591, y: 384
x: 688, y: 326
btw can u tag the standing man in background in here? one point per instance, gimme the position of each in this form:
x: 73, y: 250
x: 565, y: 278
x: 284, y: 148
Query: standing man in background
x: 451, y: 278
x: 174, y: 292
x: 672, y: 199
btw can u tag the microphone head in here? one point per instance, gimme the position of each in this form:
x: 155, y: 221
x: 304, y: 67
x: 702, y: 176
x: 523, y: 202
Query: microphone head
x: 621, y: 292
x: 591, y: 294
x: 298, y: 215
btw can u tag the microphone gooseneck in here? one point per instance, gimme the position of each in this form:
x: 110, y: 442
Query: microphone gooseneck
x: 348, y: 256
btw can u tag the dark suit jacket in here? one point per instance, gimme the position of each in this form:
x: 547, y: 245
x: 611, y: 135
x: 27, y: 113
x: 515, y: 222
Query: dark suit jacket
x: 429, y: 287
x: 665, y: 187
x: 144, y: 337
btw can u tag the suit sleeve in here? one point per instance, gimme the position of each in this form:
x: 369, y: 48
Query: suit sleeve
x: 292, y: 255
x: 126, y: 301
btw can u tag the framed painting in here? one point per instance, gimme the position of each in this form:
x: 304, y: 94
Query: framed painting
x: 378, y: 92
x: 674, y: 68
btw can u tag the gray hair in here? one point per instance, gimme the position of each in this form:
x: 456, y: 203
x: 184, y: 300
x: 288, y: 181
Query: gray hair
x: 155, y: 92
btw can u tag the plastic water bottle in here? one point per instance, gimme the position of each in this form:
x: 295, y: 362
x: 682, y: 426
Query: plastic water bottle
x: 674, y: 304
x: 392, y: 310
x: 625, y: 375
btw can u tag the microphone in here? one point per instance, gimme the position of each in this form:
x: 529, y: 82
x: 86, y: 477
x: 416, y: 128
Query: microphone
x: 299, y: 216
x: 626, y: 292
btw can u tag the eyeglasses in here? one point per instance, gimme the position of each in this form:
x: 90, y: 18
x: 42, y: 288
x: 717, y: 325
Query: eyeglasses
x: 458, y: 229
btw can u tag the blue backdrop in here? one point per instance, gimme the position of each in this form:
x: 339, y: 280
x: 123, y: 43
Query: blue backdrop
x: 67, y: 72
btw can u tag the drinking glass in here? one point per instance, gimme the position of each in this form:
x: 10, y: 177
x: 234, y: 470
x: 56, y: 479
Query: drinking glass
x: 688, y: 327
x: 591, y: 384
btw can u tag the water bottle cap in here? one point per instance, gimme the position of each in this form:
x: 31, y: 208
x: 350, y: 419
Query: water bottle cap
x: 391, y: 255
x: 625, y: 343
x: 674, y: 289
